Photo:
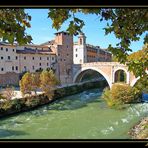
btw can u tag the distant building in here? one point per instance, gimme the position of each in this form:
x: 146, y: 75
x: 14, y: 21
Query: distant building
x: 15, y: 60
x: 84, y: 53
x: 58, y: 54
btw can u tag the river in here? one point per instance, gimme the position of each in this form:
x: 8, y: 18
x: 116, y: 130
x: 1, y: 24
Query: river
x: 81, y: 116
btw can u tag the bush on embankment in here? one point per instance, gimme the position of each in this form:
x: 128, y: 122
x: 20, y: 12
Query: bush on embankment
x: 121, y: 94
x: 8, y: 107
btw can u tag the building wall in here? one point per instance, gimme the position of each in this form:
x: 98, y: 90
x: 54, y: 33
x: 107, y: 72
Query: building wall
x: 78, y: 56
x: 80, y: 50
x: 91, y: 54
x: 33, y: 62
x: 12, y: 63
x: 9, y: 78
x: 64, y: 43
x: 9, y: 60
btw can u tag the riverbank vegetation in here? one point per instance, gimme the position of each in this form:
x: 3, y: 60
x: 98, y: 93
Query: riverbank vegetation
x: 31, y: 82
x: 121, y: 94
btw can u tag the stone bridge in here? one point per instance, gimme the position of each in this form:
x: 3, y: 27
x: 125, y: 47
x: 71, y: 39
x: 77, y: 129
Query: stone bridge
x: 106, y: 69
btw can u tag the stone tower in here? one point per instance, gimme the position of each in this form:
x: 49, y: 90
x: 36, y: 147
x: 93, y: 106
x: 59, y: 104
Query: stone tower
x: 64, y: 53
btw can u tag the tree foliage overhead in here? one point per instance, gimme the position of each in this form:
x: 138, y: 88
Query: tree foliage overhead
x: 139, y: 62
x: 127, y: 25
x: 13, y: 23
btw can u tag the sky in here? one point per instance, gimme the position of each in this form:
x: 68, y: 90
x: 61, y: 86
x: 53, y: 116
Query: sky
x: 41, y: 30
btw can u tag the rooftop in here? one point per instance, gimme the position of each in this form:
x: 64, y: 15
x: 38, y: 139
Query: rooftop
x: 33, y: 51
x: 48, y: 42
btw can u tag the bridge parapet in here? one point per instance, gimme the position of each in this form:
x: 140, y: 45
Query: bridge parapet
x: 102, y: 63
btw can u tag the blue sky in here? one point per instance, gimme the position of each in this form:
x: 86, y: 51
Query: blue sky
x: 41, y: 30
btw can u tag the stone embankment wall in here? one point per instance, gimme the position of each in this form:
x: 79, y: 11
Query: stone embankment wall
x: 9, y: 78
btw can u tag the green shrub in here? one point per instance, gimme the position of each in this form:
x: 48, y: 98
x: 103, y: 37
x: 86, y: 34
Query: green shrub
x: 6, y: 105
x: 120, y: 94
x: 17, y: 104
x: 2, y: 97
x: 142, y: 84
x: 112, y: 103
x: 31, y: 102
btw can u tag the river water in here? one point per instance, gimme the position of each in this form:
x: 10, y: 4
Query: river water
x: 80, y: 116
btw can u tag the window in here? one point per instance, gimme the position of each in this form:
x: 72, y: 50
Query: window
x: 24, y: 58
x: 2, y: 69
x: 76, y: 49
x: 58, y: 54
x: 25, y: 68
x: 47, y: 58
x: 76, y: 55
x: 13, y: 50
x: 33, y: 67
x: 80, y: 41
x: 67, y: 54
x: 52, y: 58
x: 67, y: 46
x: 61, y: 59
x: 40, y: 64
x: 1, y: 48
x: 40, y: 58
x: 16, y: 68
x: 47, y: 64
x: 64, y: 59
x: 6, y: 49
x: 32, y: 58
x: 2, y: 58
x: 12, y: 68
x: 8, y: 57
x: 16, y: 57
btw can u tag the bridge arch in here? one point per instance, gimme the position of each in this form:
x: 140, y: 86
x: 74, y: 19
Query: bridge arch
x: 95, y: 69
x: 124, y: 70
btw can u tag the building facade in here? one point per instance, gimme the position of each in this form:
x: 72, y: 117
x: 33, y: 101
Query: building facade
x: 15, y: 60
x: 85, y: 53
